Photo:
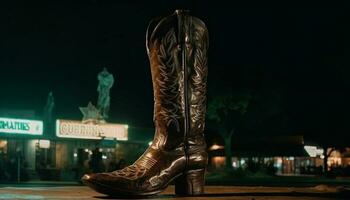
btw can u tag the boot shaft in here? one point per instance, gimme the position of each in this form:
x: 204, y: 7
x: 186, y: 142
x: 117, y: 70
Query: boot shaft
x: 177, y: 48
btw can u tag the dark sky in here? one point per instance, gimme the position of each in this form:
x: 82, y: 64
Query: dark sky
x: 291, y: 54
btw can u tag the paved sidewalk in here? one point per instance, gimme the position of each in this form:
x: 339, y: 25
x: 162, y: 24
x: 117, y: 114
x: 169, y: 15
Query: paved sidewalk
x: 40, y: 184
x: 212, y: 192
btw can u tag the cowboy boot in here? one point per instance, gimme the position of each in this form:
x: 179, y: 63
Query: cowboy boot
x: 177, y: 50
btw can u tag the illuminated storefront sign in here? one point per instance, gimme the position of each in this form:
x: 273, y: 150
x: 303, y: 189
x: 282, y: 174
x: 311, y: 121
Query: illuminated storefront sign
x: 21, y: 126
x: 313, y: 151
x: 45, y: 144
x: 77, y: 129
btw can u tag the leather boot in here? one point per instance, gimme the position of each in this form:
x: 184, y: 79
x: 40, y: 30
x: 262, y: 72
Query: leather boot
x: 177, y: 49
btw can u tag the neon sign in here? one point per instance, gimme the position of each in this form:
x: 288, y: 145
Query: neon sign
x: 77, y: 129
x: 21, y: 126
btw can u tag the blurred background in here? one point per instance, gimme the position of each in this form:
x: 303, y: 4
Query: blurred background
x: 278, y: 88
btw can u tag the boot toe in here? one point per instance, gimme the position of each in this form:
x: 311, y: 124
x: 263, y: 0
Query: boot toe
x: 94, y: 178
x: 105, y: 183
x: 87, y: 179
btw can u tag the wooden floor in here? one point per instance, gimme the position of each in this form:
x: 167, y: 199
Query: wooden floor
x: 212, y: 192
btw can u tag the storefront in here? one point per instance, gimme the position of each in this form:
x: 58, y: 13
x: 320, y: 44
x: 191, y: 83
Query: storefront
x: 78, y: 143
x: 282, y: 155
x: 32, y: 150
x: 19, y: 147
x: 29, y: 150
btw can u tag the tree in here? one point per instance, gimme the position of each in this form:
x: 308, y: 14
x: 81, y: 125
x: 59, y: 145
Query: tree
x: 330, y: 140
x: 326, y: 155
x: 327, y: 152
x: 227, y: 112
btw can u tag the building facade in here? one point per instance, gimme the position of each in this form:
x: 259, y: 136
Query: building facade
x: 29, y: 150
x: 279, y: 155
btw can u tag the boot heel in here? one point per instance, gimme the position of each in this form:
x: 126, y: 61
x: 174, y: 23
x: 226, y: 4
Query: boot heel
x: 190, y: 183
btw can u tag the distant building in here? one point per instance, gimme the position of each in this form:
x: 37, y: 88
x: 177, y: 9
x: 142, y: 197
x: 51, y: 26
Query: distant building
x: 50, y: 156
x: 287, y: 154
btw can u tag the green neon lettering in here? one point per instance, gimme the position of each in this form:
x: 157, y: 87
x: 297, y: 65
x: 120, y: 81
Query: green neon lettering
x: 25, y: 126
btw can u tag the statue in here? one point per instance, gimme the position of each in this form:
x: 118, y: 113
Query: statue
x: 50, y: 104
x: 106, y: 81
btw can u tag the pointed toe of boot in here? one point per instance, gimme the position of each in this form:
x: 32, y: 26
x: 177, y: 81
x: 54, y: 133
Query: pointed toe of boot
x: 104, y: 183
x: 88, y: 179
x: 94, y: 182
x: 85, y: 177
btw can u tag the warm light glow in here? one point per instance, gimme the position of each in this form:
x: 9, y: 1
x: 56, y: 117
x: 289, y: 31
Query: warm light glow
x: 335, y: 159
x: 3, y: 144
x: 45, y: 144
x: 21, y: 126
x: 218, y: 161
x: 216, y: 147
x: 78, y: 129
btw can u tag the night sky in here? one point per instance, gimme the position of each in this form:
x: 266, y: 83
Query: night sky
x: 292, y: 56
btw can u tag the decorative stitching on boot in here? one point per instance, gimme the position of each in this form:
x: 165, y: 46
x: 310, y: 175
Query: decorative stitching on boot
x: 146, y: 162
x: 168, y: 81
x: 131, y: 172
